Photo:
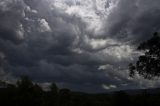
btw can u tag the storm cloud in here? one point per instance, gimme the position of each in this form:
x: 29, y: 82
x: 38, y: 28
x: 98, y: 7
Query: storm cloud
x: 83, y: 45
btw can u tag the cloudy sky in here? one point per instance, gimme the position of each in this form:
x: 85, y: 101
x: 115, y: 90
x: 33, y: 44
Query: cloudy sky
x: 83, y: 45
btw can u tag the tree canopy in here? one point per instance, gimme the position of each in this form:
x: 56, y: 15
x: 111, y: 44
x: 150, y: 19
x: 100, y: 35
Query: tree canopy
x: 148, y: 65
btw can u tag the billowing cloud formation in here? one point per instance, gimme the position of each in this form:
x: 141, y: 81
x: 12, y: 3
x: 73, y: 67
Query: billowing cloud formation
x: 80, y: 44
x: 133, y: 19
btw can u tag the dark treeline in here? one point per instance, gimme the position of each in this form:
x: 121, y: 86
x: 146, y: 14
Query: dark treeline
x: 25, y: 93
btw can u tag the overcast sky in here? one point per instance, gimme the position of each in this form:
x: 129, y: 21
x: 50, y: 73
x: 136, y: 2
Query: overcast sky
x: 83, y: 45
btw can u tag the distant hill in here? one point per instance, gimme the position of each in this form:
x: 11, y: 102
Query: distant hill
x: 140, y: 91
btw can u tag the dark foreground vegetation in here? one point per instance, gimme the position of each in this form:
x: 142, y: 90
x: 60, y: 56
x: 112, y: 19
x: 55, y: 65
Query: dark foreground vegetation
x: 25, y: 93
x: 148, y: 64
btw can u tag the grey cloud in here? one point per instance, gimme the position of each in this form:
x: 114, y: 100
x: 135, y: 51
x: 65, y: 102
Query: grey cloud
x: 133, y: 20
x: 47, y: 44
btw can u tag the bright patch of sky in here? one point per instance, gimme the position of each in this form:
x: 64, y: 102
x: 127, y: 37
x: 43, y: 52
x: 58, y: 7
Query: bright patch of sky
x: 93, y: 12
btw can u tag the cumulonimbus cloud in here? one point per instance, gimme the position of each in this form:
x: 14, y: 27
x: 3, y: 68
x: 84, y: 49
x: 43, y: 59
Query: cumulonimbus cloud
x: 75, y: 43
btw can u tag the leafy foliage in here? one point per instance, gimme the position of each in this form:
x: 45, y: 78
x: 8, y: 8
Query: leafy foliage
x: 148, y: 65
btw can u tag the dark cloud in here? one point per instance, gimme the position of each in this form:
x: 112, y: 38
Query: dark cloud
x: 133, y: 19
x: 48, y: 44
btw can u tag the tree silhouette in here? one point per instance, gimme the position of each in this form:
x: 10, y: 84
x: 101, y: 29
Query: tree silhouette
x: 52, y: 97
x: 148, y: 65
x: 54, y: 88
x: 24, y: 83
